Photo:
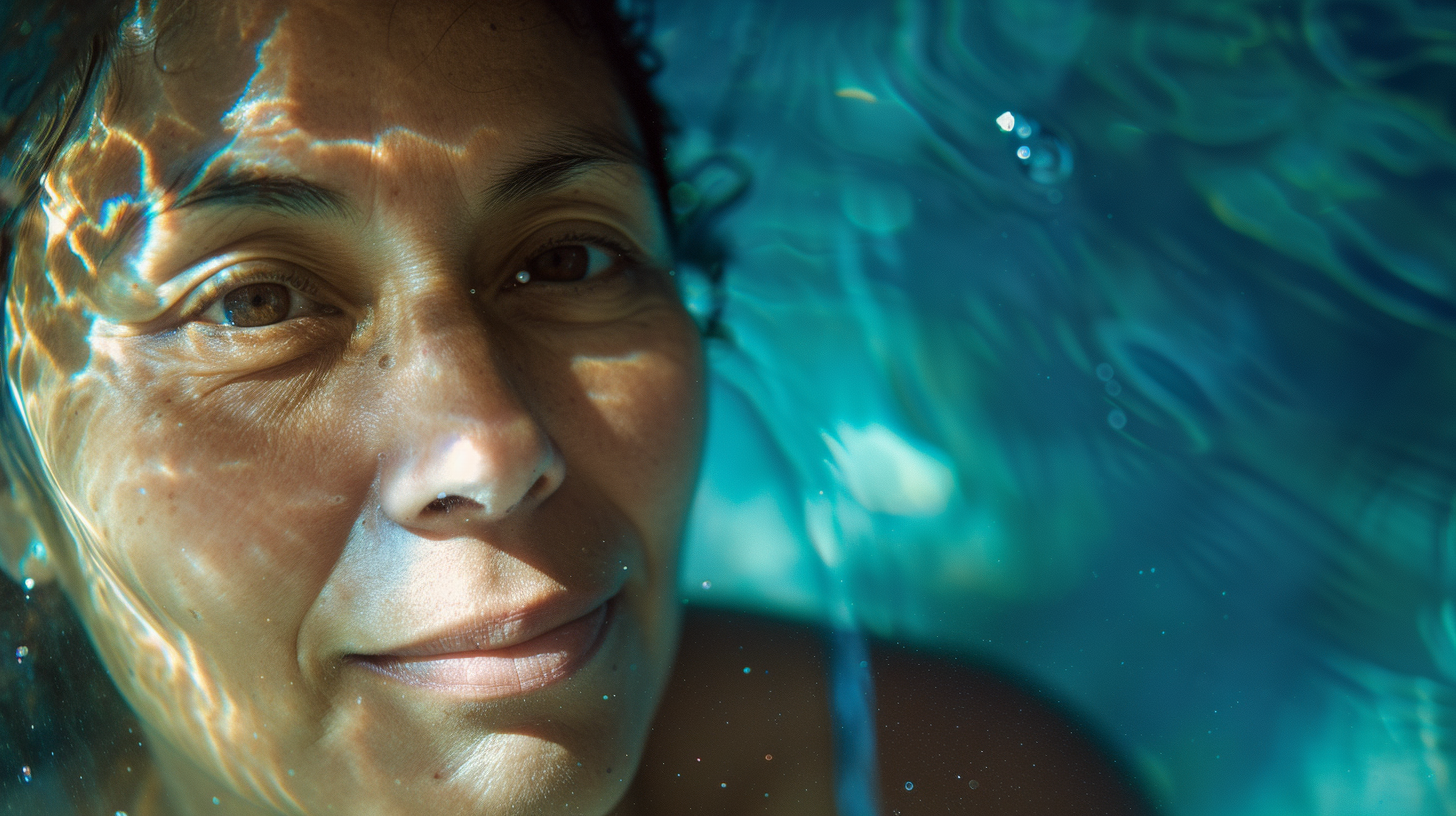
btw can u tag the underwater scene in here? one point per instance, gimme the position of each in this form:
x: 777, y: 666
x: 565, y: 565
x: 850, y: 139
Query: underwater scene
x: 1107, y: 342
x: 1103, y: 347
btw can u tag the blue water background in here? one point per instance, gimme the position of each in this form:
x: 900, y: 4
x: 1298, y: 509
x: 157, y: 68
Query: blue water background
x: 1156, y: 415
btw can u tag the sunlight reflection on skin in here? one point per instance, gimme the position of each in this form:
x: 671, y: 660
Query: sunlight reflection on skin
x: 231, y: 538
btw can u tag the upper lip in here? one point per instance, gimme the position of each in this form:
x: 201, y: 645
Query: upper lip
x: 492, y: 632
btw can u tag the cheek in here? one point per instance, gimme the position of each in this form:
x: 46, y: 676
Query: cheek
x: 641, y: 437
x: 201, y: 516
x: 200, y: 499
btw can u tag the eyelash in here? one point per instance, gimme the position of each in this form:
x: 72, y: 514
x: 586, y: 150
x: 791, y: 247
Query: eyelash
x: 218, y: 287
x: 625, y: 256
x: 208, y: 295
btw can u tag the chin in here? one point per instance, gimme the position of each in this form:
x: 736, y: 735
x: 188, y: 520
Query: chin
x: 571, y: 747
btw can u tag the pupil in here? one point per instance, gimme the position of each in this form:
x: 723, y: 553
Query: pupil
x: 258, y: 304
x: 564, y: 263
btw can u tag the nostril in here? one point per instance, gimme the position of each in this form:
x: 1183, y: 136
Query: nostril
x: 444, y: 503
x: 470, y: 479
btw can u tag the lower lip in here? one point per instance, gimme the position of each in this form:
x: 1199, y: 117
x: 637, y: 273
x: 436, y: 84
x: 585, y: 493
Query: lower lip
x: 515, y: 670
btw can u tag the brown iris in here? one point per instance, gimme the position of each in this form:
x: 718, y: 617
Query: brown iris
x: 257, y: 304
x: 563, y: 264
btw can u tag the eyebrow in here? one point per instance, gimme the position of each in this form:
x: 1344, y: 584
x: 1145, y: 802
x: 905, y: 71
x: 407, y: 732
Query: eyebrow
x: 547, y: 166
x: 553, y: 163
x: 285, y: 194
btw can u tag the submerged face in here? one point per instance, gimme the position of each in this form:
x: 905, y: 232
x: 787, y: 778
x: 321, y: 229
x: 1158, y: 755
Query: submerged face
x: 366, y: 519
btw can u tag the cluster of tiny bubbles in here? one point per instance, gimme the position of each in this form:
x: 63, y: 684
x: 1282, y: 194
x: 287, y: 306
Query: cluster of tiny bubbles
x: 1045, y: 157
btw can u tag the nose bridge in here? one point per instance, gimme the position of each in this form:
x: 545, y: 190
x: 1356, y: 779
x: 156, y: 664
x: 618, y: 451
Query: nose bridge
x: 447, y: 348
x: 464, y: 444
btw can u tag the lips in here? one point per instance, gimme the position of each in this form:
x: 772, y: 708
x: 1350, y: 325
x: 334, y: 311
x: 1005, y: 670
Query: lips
x: 457, y: 664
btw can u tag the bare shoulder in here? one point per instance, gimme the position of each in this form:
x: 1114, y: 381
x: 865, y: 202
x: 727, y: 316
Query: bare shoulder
x: 744, y: 728
x: 956, y: 738
x: 744, y: 724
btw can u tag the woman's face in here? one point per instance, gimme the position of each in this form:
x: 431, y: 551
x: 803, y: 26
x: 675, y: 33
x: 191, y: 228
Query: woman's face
x: 363, y: 521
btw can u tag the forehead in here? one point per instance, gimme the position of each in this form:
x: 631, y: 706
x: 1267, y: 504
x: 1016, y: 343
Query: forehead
x: 258, y: 80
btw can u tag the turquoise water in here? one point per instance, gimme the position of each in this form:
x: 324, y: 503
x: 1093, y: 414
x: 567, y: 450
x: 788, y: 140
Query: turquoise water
x: 1111, y: 343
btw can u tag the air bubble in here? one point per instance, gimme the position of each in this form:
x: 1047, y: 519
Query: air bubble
x: 21, y: 652
x: 1048, y: 160
x: 909, y: 786
x: 24, y: 773
x: 1117, y: 419
x: 1045, y: 157
x: 1104, y: 372
x: 1113, y: 388
x: 523, y: 276
x: 707, y: 585
x: 975, y: 784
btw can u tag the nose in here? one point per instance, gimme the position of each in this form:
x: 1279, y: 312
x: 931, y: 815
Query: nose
x: 466, y: 448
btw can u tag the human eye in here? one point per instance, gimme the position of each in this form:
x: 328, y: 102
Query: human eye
x: 255, y: 296
x: 573, y: 259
